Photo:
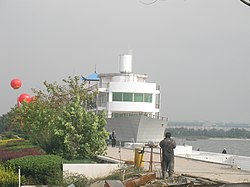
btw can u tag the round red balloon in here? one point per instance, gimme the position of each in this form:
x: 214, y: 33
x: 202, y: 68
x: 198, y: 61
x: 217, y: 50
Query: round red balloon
x: 16, y: 83
x: 24, y: 97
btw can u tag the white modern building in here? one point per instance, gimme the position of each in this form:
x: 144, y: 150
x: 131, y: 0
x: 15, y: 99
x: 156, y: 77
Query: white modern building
x: 132, y: 105
x: 127, y: 93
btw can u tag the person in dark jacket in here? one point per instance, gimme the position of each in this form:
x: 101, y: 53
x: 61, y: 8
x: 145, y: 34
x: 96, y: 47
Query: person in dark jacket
x: 113, y: 138
x: 167, y: 145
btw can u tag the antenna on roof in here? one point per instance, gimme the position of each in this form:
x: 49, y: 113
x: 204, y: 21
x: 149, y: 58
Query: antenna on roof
x: 95, y: 68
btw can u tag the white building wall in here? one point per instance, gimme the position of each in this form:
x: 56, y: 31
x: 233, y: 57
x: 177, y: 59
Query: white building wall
x: 131, y: 106
x: 125, y: 78
x: 91, y: 170
x: 106, y: 79
x: 135, y: 87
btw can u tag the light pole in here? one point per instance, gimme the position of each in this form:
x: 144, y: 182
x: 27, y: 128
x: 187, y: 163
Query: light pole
x: 19, y: 176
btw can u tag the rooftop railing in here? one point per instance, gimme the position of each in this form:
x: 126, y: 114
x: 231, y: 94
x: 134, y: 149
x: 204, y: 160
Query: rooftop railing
x: 140, y: 114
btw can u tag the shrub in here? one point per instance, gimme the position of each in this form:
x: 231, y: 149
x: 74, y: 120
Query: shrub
x: 7, y: 155
x: 74, y: 178
x: 9, y: 135
x: 15, y: 148
x: 8, y: 177
x: 6, y: 141
x: 16, y: 142
x: 43, y: 169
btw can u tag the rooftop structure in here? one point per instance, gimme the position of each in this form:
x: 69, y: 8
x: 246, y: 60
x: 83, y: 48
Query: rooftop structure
x: 126, y: 93
x: 131, y: 103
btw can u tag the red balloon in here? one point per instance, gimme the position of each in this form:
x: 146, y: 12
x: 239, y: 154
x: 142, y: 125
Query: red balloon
x: 24, y: 97
x: 16, y: 83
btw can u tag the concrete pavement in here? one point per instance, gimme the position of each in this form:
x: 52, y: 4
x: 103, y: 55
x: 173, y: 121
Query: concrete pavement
x: 186, y: 166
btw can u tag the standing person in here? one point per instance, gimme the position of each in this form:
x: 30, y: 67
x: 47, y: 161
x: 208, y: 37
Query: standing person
x: 167, y: 145
x: 113, y: 138
x: 109, y: 139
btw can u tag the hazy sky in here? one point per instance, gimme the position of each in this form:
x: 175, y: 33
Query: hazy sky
x: 197, y: 50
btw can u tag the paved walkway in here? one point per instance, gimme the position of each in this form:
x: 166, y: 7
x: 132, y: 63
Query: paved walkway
x: 213, y: 171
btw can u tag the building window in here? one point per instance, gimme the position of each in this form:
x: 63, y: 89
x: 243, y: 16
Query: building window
x: 117, y: 96
x: 148, y: 98
x: 132, y: 97
x: 128, y: 97
x: 138, y: 97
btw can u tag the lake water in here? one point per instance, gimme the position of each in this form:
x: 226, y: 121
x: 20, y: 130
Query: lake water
x: 216, y: 145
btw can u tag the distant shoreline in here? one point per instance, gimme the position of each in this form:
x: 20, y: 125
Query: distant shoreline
x: 247, y: 139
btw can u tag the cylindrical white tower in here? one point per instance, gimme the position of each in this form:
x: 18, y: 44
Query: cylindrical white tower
x: 125, y: 63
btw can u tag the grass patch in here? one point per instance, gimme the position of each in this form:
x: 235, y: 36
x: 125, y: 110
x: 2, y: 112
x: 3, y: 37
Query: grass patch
x: 5, y: 142
x: 19, y: 147
x: 17, y: 144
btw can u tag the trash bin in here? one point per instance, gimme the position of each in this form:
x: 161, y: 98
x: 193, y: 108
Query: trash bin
x: 138, y: 160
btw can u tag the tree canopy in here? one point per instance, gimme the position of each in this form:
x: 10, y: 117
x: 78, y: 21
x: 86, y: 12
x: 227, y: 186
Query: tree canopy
x: 62, y: 121
x: 213, y: 133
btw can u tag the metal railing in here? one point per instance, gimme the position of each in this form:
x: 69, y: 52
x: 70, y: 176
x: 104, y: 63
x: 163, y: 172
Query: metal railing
x: 139, y: 114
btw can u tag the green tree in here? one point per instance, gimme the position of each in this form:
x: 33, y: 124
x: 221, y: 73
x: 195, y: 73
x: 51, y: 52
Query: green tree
x: 62, y: 121
x: 2, y: 123
x: 231, y: 133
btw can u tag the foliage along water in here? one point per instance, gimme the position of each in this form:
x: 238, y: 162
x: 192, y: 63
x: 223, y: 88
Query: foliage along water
x: 216, y: 145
